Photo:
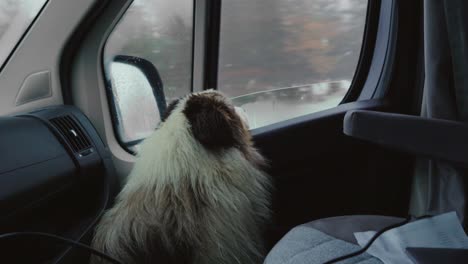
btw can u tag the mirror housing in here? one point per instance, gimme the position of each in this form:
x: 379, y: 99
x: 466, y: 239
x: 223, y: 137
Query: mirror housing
x: 138, y: 101
x: 152, y: 75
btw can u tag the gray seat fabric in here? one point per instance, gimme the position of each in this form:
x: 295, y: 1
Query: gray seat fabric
x: 321, y: 240
x: 344, y: 227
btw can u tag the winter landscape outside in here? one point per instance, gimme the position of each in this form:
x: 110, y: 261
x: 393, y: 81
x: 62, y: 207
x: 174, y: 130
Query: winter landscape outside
x: 278, y: 59
x: 304, y: 51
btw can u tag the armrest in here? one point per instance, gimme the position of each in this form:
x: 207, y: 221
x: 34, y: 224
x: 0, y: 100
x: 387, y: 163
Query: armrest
x: 434, y: 138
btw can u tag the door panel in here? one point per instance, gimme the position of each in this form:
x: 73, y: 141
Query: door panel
x: 320, y: 172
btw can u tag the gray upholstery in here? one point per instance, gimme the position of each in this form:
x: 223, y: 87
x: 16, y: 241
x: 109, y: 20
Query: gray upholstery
x: 344, y: 227
x: 321, y: 240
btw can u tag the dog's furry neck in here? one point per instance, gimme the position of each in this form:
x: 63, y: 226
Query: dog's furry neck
x: 180, y: 155
x: 197, y: 205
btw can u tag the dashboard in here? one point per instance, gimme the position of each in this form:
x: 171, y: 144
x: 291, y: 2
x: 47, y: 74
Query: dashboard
x: 56, y: 176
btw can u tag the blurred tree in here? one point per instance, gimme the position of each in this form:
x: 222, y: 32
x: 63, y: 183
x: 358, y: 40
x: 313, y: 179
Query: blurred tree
x: 267, y: 44
x: 8, y: 8
x: 253, y: 50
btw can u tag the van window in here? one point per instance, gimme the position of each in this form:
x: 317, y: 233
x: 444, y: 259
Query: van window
x: 283, y: 59
x: 15, y: 18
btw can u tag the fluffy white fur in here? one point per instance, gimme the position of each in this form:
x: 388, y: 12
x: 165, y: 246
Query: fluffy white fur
x: 219, y: 202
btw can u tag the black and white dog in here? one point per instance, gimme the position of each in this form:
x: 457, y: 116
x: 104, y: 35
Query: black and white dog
x: 197, y: 193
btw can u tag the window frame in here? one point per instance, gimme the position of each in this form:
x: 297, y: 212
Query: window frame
x: 383, y: 56
x: 213, y: 27
x: 367, y: 50
x: 23, y: 35
x: 108, y: 88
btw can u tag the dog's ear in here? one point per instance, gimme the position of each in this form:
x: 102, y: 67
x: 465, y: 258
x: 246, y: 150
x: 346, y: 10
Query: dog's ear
x: 213, y: 123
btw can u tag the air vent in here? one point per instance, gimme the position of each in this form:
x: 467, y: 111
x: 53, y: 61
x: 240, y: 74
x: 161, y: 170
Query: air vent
x: 72, y: 132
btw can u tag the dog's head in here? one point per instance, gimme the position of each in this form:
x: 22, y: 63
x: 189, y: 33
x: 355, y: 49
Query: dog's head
x: 212, y: 120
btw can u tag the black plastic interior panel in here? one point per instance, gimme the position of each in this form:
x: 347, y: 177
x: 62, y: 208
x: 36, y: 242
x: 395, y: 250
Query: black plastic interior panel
x: 33, y: 163
x: 54, y: 177
x: 428, y: 137
x: 309, y: 135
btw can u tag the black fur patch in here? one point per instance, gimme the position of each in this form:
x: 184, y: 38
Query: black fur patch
x: 169, y: 109
x: 213, y: 123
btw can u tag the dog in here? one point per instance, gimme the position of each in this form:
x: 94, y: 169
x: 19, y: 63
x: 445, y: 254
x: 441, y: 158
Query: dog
x: 198, y: 193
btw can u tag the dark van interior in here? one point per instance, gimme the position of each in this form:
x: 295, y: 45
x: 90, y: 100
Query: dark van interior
x: 394, y: 147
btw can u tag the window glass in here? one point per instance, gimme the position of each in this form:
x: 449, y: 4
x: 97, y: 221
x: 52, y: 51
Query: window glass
x: 15, y: 18
x: 280, y: 59
x: 159, y: 31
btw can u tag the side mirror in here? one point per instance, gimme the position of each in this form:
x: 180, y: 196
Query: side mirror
x: 138, y: 97
x: 133, y: 68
